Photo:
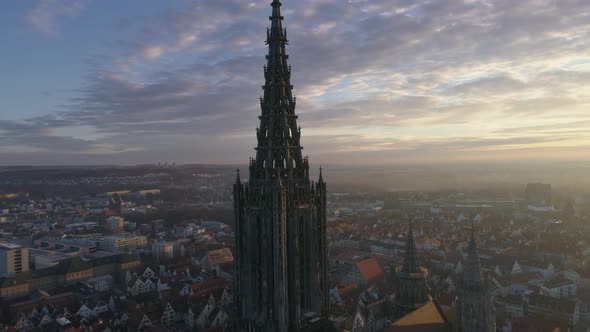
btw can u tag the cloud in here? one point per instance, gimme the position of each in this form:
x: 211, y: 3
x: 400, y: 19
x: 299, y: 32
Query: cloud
x: 38, y: 134
x: 47, y: 14
x: 419, y: 80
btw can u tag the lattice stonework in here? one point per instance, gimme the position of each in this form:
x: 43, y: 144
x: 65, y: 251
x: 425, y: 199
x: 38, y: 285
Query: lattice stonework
x: 281, y: 251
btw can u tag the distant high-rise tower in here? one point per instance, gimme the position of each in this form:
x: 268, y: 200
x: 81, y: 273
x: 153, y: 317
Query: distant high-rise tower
x: 281, y: 263
x: 538, y: 193
x: 412, y: 291
x: 475, y: 305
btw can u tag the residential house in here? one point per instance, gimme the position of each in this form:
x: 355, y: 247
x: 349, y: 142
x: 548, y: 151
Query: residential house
x: 559, y: 287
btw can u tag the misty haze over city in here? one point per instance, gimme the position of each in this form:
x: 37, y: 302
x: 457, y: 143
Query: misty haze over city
x: 295, y: 166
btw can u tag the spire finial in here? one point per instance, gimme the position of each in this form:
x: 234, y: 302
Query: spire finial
x: 321, y: 177
x: 238, y: 175
x: 276, y: 28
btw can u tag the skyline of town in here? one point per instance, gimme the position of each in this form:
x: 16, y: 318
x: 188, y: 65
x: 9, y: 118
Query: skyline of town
x: 445, y: 191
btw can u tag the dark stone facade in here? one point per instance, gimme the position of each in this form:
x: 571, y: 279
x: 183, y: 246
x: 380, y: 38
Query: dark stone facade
x: 412, y: 291
x: 281, y: 281
x: 475, y: 307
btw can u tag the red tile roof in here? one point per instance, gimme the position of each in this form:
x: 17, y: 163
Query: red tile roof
x: 370, y: 269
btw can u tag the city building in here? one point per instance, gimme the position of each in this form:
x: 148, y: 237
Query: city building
x: 364, y: 271
x: 538, y: 193
x: 13, y: 258
x: 67, y: 272
x: 168, y: 249
x: 115, y: 224
x: 122, y: 242
x: 162, y: 250
x: 41, y: 259
x: 66, y: 245
x: 82, y: 226
x: 215, y: 258
x: 559, y: 287
x: 281, y: 267
x: 534, y: 306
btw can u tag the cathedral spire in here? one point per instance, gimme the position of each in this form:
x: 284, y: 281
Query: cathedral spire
x: 472, y: 269
x: 278, y: 149
x: 413, y: 290
x: 472, y: 246
x: 281, y: 266
x: 276, y: 17
x: 475, y: 304
x: 410, y: 265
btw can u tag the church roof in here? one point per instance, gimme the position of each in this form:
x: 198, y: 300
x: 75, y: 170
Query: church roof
x: 427, y: 318
x: 370, y: 269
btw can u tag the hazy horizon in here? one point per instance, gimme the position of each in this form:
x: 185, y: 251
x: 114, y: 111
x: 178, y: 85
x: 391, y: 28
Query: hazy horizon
x: 497, y: 177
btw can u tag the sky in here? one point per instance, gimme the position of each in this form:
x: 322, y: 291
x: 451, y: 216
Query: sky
x: 377, y: 81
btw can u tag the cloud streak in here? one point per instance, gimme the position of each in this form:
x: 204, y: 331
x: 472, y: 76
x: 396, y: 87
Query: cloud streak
x: 47, y: 15
x: 388, y: 78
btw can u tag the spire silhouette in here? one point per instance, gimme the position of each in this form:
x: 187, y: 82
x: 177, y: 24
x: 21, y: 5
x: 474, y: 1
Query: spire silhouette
x: 472, y: 269
x: 476, y: 311
x: 281, y: 265
x: 410, y: 264
x: 278, y: 149
x: 413, y: 290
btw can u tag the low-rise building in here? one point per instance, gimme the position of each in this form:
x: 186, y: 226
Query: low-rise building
x: 122, y: 242
x: 66, y: 245
x: 115, y: 224
x: 68, y: 271
x: 559, y: 287
x: 214, y: 258
x: 565, y: 310
x: 169, y: 249
x: 14, y: 258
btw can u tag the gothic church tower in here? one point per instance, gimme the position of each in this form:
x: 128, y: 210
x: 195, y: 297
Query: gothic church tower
x: 475, y: 305
x: 281, y: 278
x: 412, y: 292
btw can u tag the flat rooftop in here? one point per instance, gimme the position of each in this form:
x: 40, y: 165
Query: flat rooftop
x: 7, y: 245
x: 122, y: 236
x: 51, y: 254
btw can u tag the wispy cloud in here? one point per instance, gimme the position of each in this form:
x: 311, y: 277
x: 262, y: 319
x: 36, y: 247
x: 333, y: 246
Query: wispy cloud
x: 47, y: 15
x: 388, y: 79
